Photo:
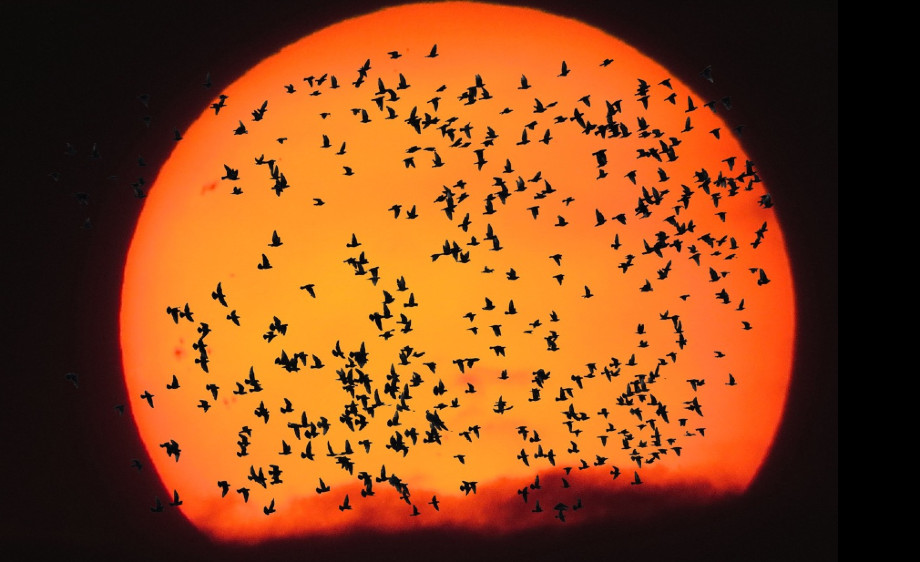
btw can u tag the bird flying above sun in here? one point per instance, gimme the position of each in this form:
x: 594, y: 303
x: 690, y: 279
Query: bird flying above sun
x: 454, y: 265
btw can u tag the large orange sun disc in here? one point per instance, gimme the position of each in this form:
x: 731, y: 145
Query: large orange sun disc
x: 478, y: 265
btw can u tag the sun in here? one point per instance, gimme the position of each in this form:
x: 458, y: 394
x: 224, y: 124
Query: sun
x: 454, y: 264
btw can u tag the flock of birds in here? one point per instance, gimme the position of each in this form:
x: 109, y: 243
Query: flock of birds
x: 398, y: 397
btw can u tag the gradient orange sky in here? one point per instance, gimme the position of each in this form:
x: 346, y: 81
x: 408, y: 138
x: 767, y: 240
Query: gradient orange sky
x: 193, y: 233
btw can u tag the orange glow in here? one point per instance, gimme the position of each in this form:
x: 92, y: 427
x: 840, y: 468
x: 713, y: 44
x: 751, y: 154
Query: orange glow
x: 194, y: 233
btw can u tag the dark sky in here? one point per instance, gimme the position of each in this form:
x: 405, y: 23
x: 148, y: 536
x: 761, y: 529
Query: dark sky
x: 73, y: 73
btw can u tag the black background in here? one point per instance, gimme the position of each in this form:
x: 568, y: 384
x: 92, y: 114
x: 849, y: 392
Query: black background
x: 72, y: 73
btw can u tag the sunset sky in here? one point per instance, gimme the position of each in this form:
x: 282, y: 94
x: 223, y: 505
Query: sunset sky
x: 81, y: 84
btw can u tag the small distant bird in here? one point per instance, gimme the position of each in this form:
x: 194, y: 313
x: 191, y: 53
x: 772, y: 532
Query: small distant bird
x: 74, y: 378
x: 234, y: 317
x: 259, y: 113
x: 218, y: 295
x: 706, y: 73
x: 219, y: 104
